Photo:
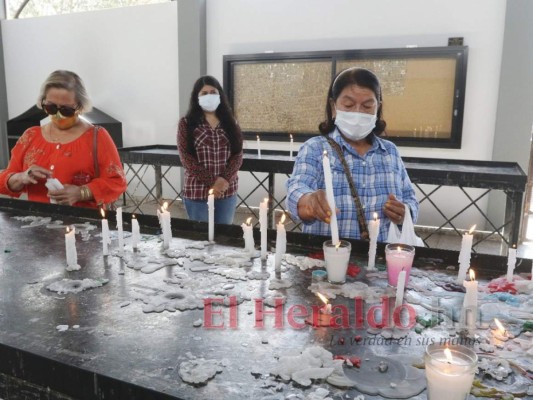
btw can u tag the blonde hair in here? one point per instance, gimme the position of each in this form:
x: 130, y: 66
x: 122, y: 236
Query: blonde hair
x: 70, y: 81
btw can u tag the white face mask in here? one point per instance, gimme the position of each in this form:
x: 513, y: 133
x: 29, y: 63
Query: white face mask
x: 355, y: 125
x: 209, y: 102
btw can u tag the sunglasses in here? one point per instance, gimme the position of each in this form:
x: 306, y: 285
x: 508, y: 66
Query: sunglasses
x: 53, y: 109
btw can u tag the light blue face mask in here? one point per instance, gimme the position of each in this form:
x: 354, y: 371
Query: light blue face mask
x: 355, y: 125
x: 209, y: 102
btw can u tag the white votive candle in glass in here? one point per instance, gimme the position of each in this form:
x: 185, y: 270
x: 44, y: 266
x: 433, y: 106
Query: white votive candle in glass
x: 263, y: 226
x: 135, y: 232
x: 281, y: 242
x: 105, y: 233
x: 248, y: 235
x: 398, y: 257
x: 464, y: 254
x: 450, y: 371
x: 120, y: 231
x: 373, y: 230
x: 337, y: 258
x: 328, y: 180
x: 511, y: 263
x: 211, y: 215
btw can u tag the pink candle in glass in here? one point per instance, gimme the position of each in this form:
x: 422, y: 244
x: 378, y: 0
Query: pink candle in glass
x: 398, y: 257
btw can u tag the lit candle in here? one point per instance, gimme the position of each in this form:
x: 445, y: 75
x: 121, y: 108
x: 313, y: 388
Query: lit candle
x: 105, y: 233
x: 258, y: 147
x: 337, y: 258
x: 400, y: 289
x: 165, y: 225
x: 135, y: 232
x: 511, y: 263
x: 399, y: 257
x: 211, y: 214
x: 291, y: 147
x: 464, y: 254
x: 120, y: 231
x: 328, y: 179
x: 500, y: 333
x: 469, y: 312
x: 327, y: 306
x: 263, y: 222
x: 281, y: 242
x: 70, y: 247
x: 249, y: 245
x: 449, y: 371
x: 373, y: 230
x: 324, y: 317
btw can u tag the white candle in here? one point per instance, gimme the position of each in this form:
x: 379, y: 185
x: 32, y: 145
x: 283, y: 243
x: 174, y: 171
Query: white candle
x: 400, y: 288
x: 281, y: 242
x: 469, y: 312
x: 165, y: 226
x: 511, y: 263
x: 373, y: 230
x: 120, y: 231
x: 449, y: 372
x: 258, y: 147
x: 70, y: 247
x: 464, y: 254
x: 135, y: 232
x: 291, y: 147
x: 105, y: 233
x: 211, y: 215
x: 248, y: 235
x: 263, y: 221
x: 337, y: 258
x: 328, y: 179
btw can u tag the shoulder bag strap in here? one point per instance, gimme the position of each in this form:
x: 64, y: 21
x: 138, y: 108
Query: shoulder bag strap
x: 95, y: 151
x: 363, y: 227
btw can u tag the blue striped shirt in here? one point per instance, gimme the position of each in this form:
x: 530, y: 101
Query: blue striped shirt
x: 377, y: 174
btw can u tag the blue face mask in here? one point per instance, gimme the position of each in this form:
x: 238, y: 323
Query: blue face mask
x: 209, y: 102
x: 355, y: 125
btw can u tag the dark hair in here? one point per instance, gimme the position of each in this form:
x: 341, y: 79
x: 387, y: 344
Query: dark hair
x: 195, y: 115
x: 353, y: 76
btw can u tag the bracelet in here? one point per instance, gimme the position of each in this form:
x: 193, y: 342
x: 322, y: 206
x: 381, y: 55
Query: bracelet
x: 85, y: 193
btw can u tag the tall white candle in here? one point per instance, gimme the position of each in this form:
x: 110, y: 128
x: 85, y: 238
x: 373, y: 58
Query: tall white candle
x: 291, y: 147
x: 211, y: 215
x: 248, y: 235
x: 105, y: 233
x: 511, y: 263
x: 120, y: 231
x: 281, y: 242
x: 469, y: 312
x: 165, y: 226
x: 373, y: 230
x: 70, y: 247
x: 135, y: 232
x: 328, y: 179
x: 258, y: 147
x: 263, y: 221
x: 400, y: 288
x: 464, y: 254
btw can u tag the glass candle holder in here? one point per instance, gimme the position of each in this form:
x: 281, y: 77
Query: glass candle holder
x: 449, y: 373
x: 398, y: 257
x: 337, y: 258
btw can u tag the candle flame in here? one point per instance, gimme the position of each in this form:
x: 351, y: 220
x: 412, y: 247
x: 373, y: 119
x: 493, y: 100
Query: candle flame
x: 325, y: 153
x: 337, y: 246
x: 472, y: 274
x: 448, y: 355
x: 399, y: 248
x: 102, y: 212
x: 132, y: 216
x: 68, y: 230
x: 500, y: 326
x: 249, y: 221
x: 472, y: 229
x: 514, y: 246
x: 282, y: 219
x: 375, y: 216
x: 323, y: 298
x: 291, y: 136
x: 211, y: 191
x: 165, y: 206
x: 257, y: 137
x: 266, y: 200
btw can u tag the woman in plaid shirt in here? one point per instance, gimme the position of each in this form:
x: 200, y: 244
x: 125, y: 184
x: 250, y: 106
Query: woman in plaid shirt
x: 210, y: 149
x: 354, y: 122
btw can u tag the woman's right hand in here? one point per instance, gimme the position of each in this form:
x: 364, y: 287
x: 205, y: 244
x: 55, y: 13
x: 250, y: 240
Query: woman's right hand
x: 219, y: 187
x: 29, y: 177
x: 313, y: 206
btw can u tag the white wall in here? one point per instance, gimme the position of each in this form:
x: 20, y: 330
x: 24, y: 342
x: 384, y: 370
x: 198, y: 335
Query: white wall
x: 127, y: 57
x: 244, y: 26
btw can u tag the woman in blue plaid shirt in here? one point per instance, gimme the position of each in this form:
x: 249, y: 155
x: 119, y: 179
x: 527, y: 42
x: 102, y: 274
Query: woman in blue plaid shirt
x: 354, y: 113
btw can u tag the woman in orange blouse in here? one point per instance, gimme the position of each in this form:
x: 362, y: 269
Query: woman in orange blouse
x: 63, y: 149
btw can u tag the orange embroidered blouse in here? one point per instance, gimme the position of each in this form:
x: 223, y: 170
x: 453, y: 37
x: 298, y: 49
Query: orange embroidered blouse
x: 67, y: 160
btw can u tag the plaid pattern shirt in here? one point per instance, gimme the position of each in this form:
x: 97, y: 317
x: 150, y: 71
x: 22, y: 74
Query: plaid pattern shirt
x: 377, y: 174
x: 213, y: 158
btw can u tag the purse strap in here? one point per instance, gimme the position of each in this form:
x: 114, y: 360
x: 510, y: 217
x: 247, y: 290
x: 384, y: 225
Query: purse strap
x: 363, y: 227
x: 95, y: 151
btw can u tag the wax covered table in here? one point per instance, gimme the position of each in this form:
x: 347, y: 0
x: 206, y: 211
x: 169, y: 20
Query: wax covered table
x: 141, y: 331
